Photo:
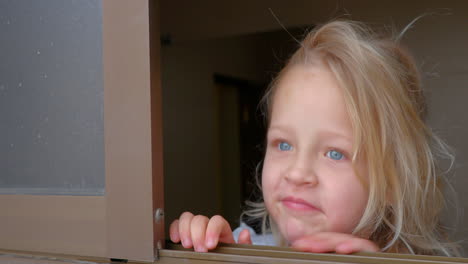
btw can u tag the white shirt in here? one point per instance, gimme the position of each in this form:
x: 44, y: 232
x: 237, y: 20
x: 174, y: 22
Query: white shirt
x: 261, y: 240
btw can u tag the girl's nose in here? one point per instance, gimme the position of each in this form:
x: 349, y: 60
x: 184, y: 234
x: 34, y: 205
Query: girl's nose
x: 302, y: 171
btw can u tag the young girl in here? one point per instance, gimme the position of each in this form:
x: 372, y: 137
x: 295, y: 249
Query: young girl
x: 349, y: 163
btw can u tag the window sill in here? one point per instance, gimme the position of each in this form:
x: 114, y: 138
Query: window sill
x: 230, y: 253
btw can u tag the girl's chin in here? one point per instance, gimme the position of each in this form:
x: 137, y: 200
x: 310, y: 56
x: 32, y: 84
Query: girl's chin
x: 293, y: 229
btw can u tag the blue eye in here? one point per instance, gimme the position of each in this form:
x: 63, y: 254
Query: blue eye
x: 335, y: 155
x: 283, y: 146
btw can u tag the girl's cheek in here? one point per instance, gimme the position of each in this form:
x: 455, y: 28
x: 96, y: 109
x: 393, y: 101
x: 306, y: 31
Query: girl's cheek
x: 266, y: 173
x: 269, y: 176
x: 275, y: 167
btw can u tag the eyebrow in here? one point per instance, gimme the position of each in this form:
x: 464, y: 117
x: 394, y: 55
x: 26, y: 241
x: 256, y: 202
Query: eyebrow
x: 279, y: 128
x: 322, y: 133
x: 336, y: 134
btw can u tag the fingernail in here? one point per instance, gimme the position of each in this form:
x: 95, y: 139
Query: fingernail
x: 342, y: 248
x: 186, y: 243
x: 201, y: 249
x: 298, y: 244
x: 210, y: 243
x: 175, y: 238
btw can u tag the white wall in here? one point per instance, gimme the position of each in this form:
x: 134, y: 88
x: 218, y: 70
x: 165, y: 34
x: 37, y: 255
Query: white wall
x: 209, y: 36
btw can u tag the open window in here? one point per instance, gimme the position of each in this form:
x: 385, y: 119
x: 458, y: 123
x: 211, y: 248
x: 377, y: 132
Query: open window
x: 122, y: 217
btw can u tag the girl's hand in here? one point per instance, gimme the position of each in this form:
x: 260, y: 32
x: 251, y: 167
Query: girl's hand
x: 203, y: 233
x: 334, y: 242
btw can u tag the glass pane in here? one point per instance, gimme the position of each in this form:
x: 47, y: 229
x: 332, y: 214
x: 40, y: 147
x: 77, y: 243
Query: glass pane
x: 51, y: 97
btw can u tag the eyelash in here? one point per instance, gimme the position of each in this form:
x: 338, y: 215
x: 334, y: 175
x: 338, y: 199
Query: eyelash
x: 276, y: 144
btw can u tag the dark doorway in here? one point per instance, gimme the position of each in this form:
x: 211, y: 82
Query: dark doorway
x: 239, y: 110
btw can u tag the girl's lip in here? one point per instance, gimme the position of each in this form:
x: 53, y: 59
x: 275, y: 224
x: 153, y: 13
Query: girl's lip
x: 298, y: 204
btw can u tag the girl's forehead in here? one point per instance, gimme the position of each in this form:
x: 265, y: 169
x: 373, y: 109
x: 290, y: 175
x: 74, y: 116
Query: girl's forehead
x: 310, y: 96
x: 308, y: 85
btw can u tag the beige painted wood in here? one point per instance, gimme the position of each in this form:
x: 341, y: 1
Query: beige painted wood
x: 34, y: 257
x: 129, y: 127
x: 10, y: 259
x: 119, y: 224
x: 58, y: 224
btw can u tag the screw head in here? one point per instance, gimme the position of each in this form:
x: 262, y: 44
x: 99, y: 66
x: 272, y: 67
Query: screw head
x: 159, y: 215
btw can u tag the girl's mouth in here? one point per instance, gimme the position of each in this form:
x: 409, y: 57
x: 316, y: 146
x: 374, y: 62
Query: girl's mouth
x: 298, y: 204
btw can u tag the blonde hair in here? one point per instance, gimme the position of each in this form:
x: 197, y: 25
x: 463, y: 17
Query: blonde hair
x: 386, y: 106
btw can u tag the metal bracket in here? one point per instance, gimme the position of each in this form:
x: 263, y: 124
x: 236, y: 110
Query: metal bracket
x: 158, y: 218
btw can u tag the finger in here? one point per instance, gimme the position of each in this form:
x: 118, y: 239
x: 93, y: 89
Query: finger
x: 334, y: 242
x: 357, y: 245
x: 313, y: 245
x: 218, y: 230
x: 174, y: 231
x: 244, y: 237
x: 184, y: 229
x: 321, y: 242
x: 197, y: 229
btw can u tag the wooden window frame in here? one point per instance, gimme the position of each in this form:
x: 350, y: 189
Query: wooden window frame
x: 234, y: 253
x: 119, y: 224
